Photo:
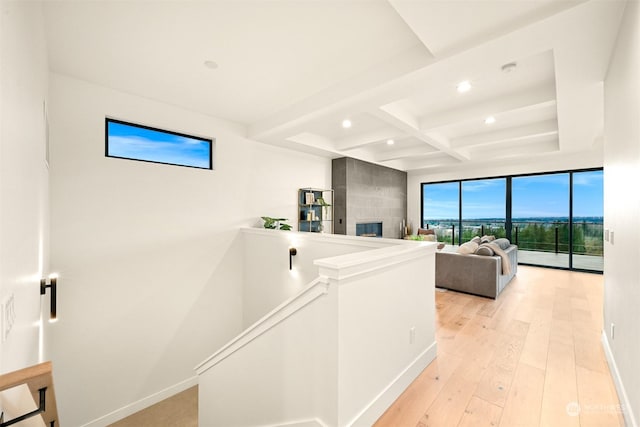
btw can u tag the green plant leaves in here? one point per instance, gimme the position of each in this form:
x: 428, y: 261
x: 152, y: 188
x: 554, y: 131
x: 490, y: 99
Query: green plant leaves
x: 275, y: 223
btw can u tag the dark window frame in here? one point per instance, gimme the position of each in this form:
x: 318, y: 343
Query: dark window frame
x: 509, y: 206
x: 210, y: 141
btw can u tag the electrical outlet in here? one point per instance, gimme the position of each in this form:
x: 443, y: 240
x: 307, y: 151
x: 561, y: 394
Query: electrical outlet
x: 412, y: 334
x: 8, y: 316
x: 613, y: 331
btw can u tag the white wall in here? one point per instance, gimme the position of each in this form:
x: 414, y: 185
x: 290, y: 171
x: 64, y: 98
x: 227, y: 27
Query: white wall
x: 24, y: 209
x: 622, y: 209
x: 286, y: 375
x: 549, y: 163
x: 268, y: 281
x: 342, y: 357
x: 376, y: 314
x: 149, y: 255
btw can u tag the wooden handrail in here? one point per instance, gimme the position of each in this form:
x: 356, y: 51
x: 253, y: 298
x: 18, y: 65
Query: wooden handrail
x: 36, y: 377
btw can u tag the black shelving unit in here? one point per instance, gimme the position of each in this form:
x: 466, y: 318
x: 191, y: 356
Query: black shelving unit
x: 315, y: 210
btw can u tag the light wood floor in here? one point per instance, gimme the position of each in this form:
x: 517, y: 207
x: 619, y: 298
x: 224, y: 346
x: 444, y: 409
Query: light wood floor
x: 531, y: 358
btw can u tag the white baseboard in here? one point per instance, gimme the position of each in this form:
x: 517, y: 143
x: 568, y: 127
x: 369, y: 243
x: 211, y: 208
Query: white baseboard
x: 367, y: 416
x: 627, y: 410
x: 313, y: 422
x: 382, y: 401
x: 141, y: 404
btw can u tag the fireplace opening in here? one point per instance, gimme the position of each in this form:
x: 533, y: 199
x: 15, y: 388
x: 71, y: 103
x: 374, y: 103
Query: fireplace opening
x: 369, y: 229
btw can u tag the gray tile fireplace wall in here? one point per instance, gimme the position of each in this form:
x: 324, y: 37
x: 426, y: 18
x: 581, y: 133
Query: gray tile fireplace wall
x: 364, y: 192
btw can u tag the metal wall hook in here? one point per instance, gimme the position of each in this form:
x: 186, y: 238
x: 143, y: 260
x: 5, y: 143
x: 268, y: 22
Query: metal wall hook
x: 53, y: 285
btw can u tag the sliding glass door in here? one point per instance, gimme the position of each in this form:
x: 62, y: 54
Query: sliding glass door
x: 588, y: 206
x: 441, y: 210
x: 556, y: 219
x: 540, y: 219
x: 483, y: 208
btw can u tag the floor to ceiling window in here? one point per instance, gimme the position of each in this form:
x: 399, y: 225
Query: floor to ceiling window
x: 483, y: 208
x: 441, y: 210
x: 555, y: 218
x: 588, y: 205
x: 540, y: 219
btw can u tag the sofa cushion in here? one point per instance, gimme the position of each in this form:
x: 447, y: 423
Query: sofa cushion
x: 503, y: 243
x: 487, y: 239
x: 484, y: 250
x: 467, y: 248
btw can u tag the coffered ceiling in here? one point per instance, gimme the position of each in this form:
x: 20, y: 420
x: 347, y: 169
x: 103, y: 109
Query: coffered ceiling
x: 292, y: 71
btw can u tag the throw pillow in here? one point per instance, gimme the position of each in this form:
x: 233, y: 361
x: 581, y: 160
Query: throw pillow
x: 476, y: 239
x: 484, y: 250
x: 429, y: 237
x: 467, y: 248
x: 487, y: 239
x: 503, y: 243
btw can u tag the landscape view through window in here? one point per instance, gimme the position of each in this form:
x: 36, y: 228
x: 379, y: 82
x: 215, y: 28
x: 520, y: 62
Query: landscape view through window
x: 556, y: 218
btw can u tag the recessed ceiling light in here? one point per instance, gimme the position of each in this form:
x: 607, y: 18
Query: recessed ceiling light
x: 346, y: 123
x: 511, y: 66
x: 211, y: 64
x: 390, y: 142
x: 489, y: 120
x: 464, y: 86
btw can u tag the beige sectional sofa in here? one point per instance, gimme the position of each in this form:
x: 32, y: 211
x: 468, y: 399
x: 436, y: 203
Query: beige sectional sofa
x: 474, y: 274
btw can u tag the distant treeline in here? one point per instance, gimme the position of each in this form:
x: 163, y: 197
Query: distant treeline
x: 545, y: 219
x: 534, y: 234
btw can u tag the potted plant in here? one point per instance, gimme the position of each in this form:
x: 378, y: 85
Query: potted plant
x: 275, y: 223
x: 417, y: 237
x: 325, y: 206
x: 321, y: 201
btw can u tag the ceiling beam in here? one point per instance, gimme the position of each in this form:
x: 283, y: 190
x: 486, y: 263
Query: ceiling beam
x: 548, y: 127
x: 313, y: 140
x: 367, y: 138
x: 316, y: 144
x: 424, y: 162
x: 534, y: 149
x: 408, y: 123
x: 406, y: 153
x: 344, y: 95
x: 538, y: 97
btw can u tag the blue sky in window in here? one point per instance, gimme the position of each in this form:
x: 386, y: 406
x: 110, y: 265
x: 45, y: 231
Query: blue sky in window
x: 540, y: 196
x: 548, y: 195
x: 533, y: 197
x: 480, y: 199
x: 156, y: 146
x: 588, y: 194
x: 441, y: 201
x: 484, y: 198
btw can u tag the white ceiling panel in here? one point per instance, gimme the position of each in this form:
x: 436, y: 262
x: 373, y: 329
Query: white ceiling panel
x: 449, y: 26
x: 270, y: 54
x: 292, y: 70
